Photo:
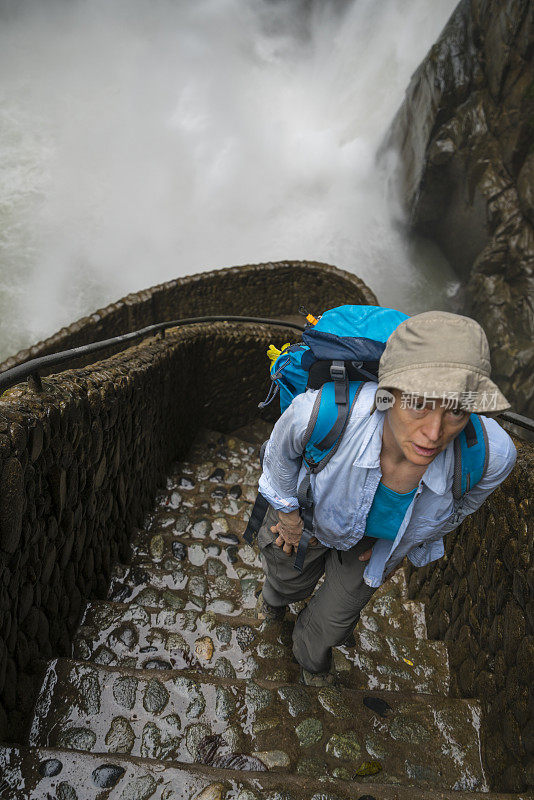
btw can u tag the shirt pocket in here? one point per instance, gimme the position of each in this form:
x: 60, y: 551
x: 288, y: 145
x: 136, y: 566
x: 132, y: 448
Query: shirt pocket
x: 426, y: 528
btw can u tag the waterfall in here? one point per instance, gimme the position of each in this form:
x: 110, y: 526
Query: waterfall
x: 141, y: 141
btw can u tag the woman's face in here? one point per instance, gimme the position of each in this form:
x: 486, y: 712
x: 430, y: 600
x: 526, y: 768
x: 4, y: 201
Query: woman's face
x: 421, y: 431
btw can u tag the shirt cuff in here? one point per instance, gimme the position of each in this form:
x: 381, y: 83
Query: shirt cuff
x: 274, y: 499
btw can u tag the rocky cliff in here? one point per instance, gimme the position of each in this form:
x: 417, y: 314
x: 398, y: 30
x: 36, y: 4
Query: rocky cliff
x: 465, y: 135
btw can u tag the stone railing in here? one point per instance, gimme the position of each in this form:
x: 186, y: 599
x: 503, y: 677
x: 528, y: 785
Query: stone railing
x: 80, y: 462
x: 263, y: 290
x: 479, y: 598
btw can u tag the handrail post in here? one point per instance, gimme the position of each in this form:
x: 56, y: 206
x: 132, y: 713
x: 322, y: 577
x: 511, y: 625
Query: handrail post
x: 34, y: 382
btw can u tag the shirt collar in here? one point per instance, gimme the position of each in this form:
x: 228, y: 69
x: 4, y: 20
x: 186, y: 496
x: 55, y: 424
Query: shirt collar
x: 368, y: 456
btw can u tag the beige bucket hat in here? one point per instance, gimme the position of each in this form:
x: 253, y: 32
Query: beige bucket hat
x: 439, y: 354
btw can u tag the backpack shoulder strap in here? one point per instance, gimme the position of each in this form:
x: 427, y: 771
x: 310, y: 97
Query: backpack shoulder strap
x: 471, y: 455
x: 328, y: 420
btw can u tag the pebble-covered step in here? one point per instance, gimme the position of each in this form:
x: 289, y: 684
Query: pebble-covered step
x: 200, y: 546
x: 138, y: 637
x: 196, y: 589
x: 29, y: 773
x: 332, y: 731
x: 199, y: 589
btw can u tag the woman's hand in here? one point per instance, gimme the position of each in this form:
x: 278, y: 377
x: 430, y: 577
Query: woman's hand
x: 366, y: 555
x: 289, y: 529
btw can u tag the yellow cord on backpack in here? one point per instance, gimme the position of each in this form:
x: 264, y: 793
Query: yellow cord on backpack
x: 273, y: 351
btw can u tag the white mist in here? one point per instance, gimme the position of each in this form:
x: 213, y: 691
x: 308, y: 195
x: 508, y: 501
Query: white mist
x: 141, y: 141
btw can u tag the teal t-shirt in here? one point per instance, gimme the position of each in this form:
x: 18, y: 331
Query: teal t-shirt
x: 387, y: 512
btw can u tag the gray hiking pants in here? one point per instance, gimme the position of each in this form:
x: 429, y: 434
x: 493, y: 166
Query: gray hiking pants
x: 334, y: 609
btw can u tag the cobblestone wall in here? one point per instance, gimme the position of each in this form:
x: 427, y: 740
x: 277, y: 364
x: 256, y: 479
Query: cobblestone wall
x: 79, y: 467
x: 480, y: 599
x: 265, y: 290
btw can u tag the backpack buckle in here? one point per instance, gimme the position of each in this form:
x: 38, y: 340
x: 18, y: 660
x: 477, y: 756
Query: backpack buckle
x: 338, y: 371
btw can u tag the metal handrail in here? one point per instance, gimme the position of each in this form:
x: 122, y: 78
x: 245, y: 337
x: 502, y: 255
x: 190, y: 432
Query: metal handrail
x: 30, y: 369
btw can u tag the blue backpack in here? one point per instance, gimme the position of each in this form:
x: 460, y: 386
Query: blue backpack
x: 338, y: 355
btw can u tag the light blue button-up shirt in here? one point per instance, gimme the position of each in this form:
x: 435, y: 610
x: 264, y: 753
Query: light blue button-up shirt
x: 344, y: 490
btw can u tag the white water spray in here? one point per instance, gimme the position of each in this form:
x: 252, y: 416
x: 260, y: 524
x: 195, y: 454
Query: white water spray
x: 141, y: 141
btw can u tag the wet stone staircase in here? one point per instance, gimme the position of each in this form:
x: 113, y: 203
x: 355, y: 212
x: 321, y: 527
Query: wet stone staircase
x: 176, y: 692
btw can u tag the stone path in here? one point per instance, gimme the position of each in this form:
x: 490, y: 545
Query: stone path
x: 176, y: 692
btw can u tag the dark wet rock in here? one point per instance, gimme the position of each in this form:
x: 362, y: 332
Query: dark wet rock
x: 245, y: 635
x: 148, y: 648
x: 228, y: 538
x: 77, y: 739
x: 124, y: 691
x: 120, y: 738
x: 220, y: 491
x: 194, y: 735
x: 277, y: 795
x: 200, y: 529
x: 66, y: 792
x: 156, y: 697
x: 121, y: 592
x: 378, y: 705
x: 375, y: 746
x: 245, y: 794
x: 325, y: 796
x: 465, y: 173
x: 127, y: 635
x: 273, y: 759
x: 234, y: 738
x: 235, y: 492
x: 139, y: 788
x: 309, y: 732
x: 268, y: 650
x: 208, y: 747
x: 183, y: 482
x: 107, y: 775
x: 344, y: 746
x: 50, y: 767
x: 332, y: 701
x: 406, y: 729
x: 90, y: 694
x: 139, y: 576
x: 217, y: 475
x: 223, y: 668
x: 179, y: 550
x: 231, y: 554
x: 256, y: 697
x: 197, y: 586
x: 156, y: 547
x: 157, y: 663
x: 151, y: 746
x: 239, y: 761
x: 224, y: 703
x: 297, y: 699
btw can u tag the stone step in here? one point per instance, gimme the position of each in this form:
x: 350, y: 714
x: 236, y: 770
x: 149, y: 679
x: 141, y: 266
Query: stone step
x: 156, y: 587
x: 214, y: 444
x: 168, y: 716
x: 136, y: 637
x: 175, y: 589
x: 255, y: 432
x: 29, y: 773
